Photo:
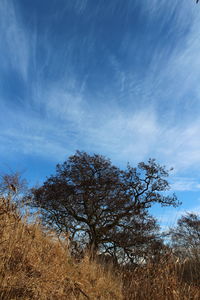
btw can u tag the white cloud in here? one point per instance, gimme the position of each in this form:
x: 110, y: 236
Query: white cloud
x: 185, y: 184
x: 15, y: 45
x: 69, y: 121
x: 132, y: 133
x: 168, y: 218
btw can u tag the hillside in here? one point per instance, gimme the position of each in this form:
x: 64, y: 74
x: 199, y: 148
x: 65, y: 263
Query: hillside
x: 35, y: 264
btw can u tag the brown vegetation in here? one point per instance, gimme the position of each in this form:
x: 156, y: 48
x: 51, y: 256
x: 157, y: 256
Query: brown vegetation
x: 35, y: 264
x: 159, y: 281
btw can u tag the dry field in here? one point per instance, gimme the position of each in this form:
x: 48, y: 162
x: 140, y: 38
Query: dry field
x: 35, y: 264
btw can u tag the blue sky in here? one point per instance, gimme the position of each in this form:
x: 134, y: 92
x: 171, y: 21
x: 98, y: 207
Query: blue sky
x: 119, y: 78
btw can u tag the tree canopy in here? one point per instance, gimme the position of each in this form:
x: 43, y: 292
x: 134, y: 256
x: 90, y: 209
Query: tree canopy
x: 103, y: 207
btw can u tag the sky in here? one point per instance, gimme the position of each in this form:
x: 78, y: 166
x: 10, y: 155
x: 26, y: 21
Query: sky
x: 117, y: 78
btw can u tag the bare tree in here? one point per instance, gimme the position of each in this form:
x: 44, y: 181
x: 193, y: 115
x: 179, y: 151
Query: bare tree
x: 103, y: 207
x: 185, y: 236
x: 12, y: 186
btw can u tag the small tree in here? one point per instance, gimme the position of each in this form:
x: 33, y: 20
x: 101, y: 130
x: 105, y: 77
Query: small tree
x: 102, y: 206
x: 12, y: 187
x: 185, y: 239
x: 186, y: 236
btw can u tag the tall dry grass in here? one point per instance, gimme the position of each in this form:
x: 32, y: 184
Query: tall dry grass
x: 161, y: 281
x: 35, y: 264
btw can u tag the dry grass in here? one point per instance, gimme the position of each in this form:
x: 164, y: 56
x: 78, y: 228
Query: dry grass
x: 35, y: 264
x: 161, y: 281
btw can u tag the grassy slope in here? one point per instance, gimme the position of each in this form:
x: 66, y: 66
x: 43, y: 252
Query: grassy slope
x: 36, y: 265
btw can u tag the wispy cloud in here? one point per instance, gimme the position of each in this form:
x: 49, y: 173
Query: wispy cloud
x: 15, y: 45
x: 168, y: 218
x: 185, y: 184
x: 145, y: 98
